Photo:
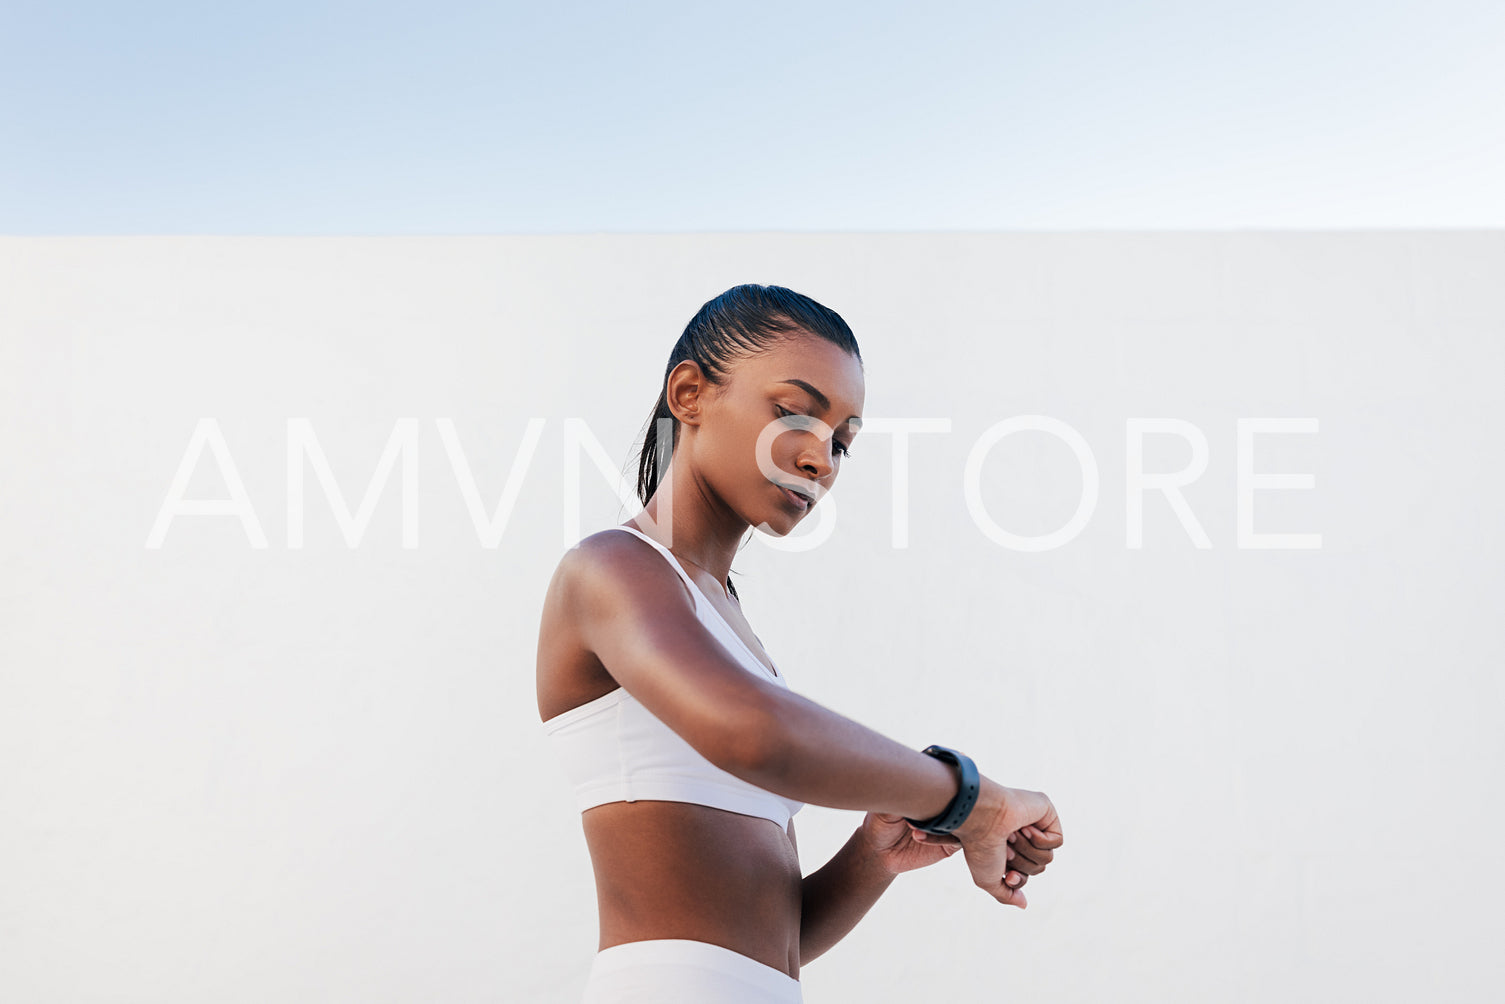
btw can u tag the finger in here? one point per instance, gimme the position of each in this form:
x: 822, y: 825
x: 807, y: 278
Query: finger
x: 1031, y: 859
x: 1028, y: 860
x: 1009, y: 891
x: 1044, y: 839
x: 1007, y: 888
x: 1041, y: 842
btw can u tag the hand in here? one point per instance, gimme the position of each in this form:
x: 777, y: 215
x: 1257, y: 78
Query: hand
x: 900, y: 847
x: 990, y: 842
x: 1031, y: 854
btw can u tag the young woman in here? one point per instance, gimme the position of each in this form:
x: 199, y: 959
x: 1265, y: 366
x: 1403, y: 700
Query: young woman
x: 688, y: 750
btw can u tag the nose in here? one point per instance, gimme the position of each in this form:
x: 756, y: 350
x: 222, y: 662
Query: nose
x: 815, y: 460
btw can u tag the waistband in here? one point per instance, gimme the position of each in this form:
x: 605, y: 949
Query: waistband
x: 702, y: 955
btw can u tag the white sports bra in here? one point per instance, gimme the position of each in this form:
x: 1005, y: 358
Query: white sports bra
x: 615, y: 750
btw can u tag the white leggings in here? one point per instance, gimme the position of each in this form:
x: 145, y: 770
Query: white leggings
x: 679, y: 971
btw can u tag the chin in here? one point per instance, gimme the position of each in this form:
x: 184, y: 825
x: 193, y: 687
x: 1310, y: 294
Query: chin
x: 784, y: 521
x: 780, y: 523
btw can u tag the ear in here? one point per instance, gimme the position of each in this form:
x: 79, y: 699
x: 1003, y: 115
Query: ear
x: 683, y: 389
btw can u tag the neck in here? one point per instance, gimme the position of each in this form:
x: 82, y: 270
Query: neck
x: 692, y: 530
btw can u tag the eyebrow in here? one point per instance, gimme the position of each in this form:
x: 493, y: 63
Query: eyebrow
x: 820, y: 398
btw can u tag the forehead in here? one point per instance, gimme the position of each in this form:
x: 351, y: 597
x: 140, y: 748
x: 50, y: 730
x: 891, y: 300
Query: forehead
x: 827, y: 367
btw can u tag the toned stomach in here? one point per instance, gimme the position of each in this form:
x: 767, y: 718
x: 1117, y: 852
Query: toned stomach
x: 682, y: 870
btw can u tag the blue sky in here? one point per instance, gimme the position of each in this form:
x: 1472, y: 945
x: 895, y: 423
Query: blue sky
x: 381, y: 118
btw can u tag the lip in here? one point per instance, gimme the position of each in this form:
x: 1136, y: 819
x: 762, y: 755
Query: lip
x: 797, y: 500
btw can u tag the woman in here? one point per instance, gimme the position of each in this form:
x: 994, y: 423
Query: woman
x: 688, y: 751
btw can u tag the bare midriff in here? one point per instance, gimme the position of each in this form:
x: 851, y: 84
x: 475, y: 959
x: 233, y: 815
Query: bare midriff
x: 684, y: 870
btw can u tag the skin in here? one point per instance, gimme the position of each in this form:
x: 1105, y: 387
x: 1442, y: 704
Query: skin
x: 681, y: 870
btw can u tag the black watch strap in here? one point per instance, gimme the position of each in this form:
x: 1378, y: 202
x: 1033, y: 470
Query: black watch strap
x: 961, y: 806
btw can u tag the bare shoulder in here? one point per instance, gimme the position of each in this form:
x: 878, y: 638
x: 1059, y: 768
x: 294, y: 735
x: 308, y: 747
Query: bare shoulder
x: 621, y: 565
x: 613, y: 588
x: 600, y: 571
x: 625, y: 605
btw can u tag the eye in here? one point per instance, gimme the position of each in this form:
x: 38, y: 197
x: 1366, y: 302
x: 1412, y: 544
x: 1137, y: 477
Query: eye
x: 840, y: 447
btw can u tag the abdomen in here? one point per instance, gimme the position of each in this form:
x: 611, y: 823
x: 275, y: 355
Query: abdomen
x: 683, y: 870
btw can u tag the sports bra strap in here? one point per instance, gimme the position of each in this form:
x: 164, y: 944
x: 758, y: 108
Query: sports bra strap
x: 668, y: 556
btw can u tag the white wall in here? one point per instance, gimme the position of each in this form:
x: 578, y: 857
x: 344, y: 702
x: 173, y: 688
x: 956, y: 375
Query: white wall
x: 241, y: 773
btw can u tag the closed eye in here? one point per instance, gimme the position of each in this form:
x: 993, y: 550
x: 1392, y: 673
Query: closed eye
x: 841, y: 447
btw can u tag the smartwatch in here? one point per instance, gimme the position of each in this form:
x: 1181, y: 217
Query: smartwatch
x: 961, y: 806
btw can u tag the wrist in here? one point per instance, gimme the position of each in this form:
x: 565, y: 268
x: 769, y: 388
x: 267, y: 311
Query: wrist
x: 959, y: 809
x: 992, y: 798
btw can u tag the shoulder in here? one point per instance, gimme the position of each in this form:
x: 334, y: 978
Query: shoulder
x: 617, y: 566
x: 627, y: 605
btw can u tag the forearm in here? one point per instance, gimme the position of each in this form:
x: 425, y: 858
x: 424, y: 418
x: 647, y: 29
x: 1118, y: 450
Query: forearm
x: 839, y: 894
x: 810, y: 753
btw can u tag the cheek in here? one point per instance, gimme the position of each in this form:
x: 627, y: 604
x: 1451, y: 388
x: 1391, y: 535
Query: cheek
x: 780, y: 446
x: 731, y: 449
x: 741, y: 444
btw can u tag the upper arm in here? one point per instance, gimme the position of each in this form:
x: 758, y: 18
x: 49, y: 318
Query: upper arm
x: 634, y: 612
